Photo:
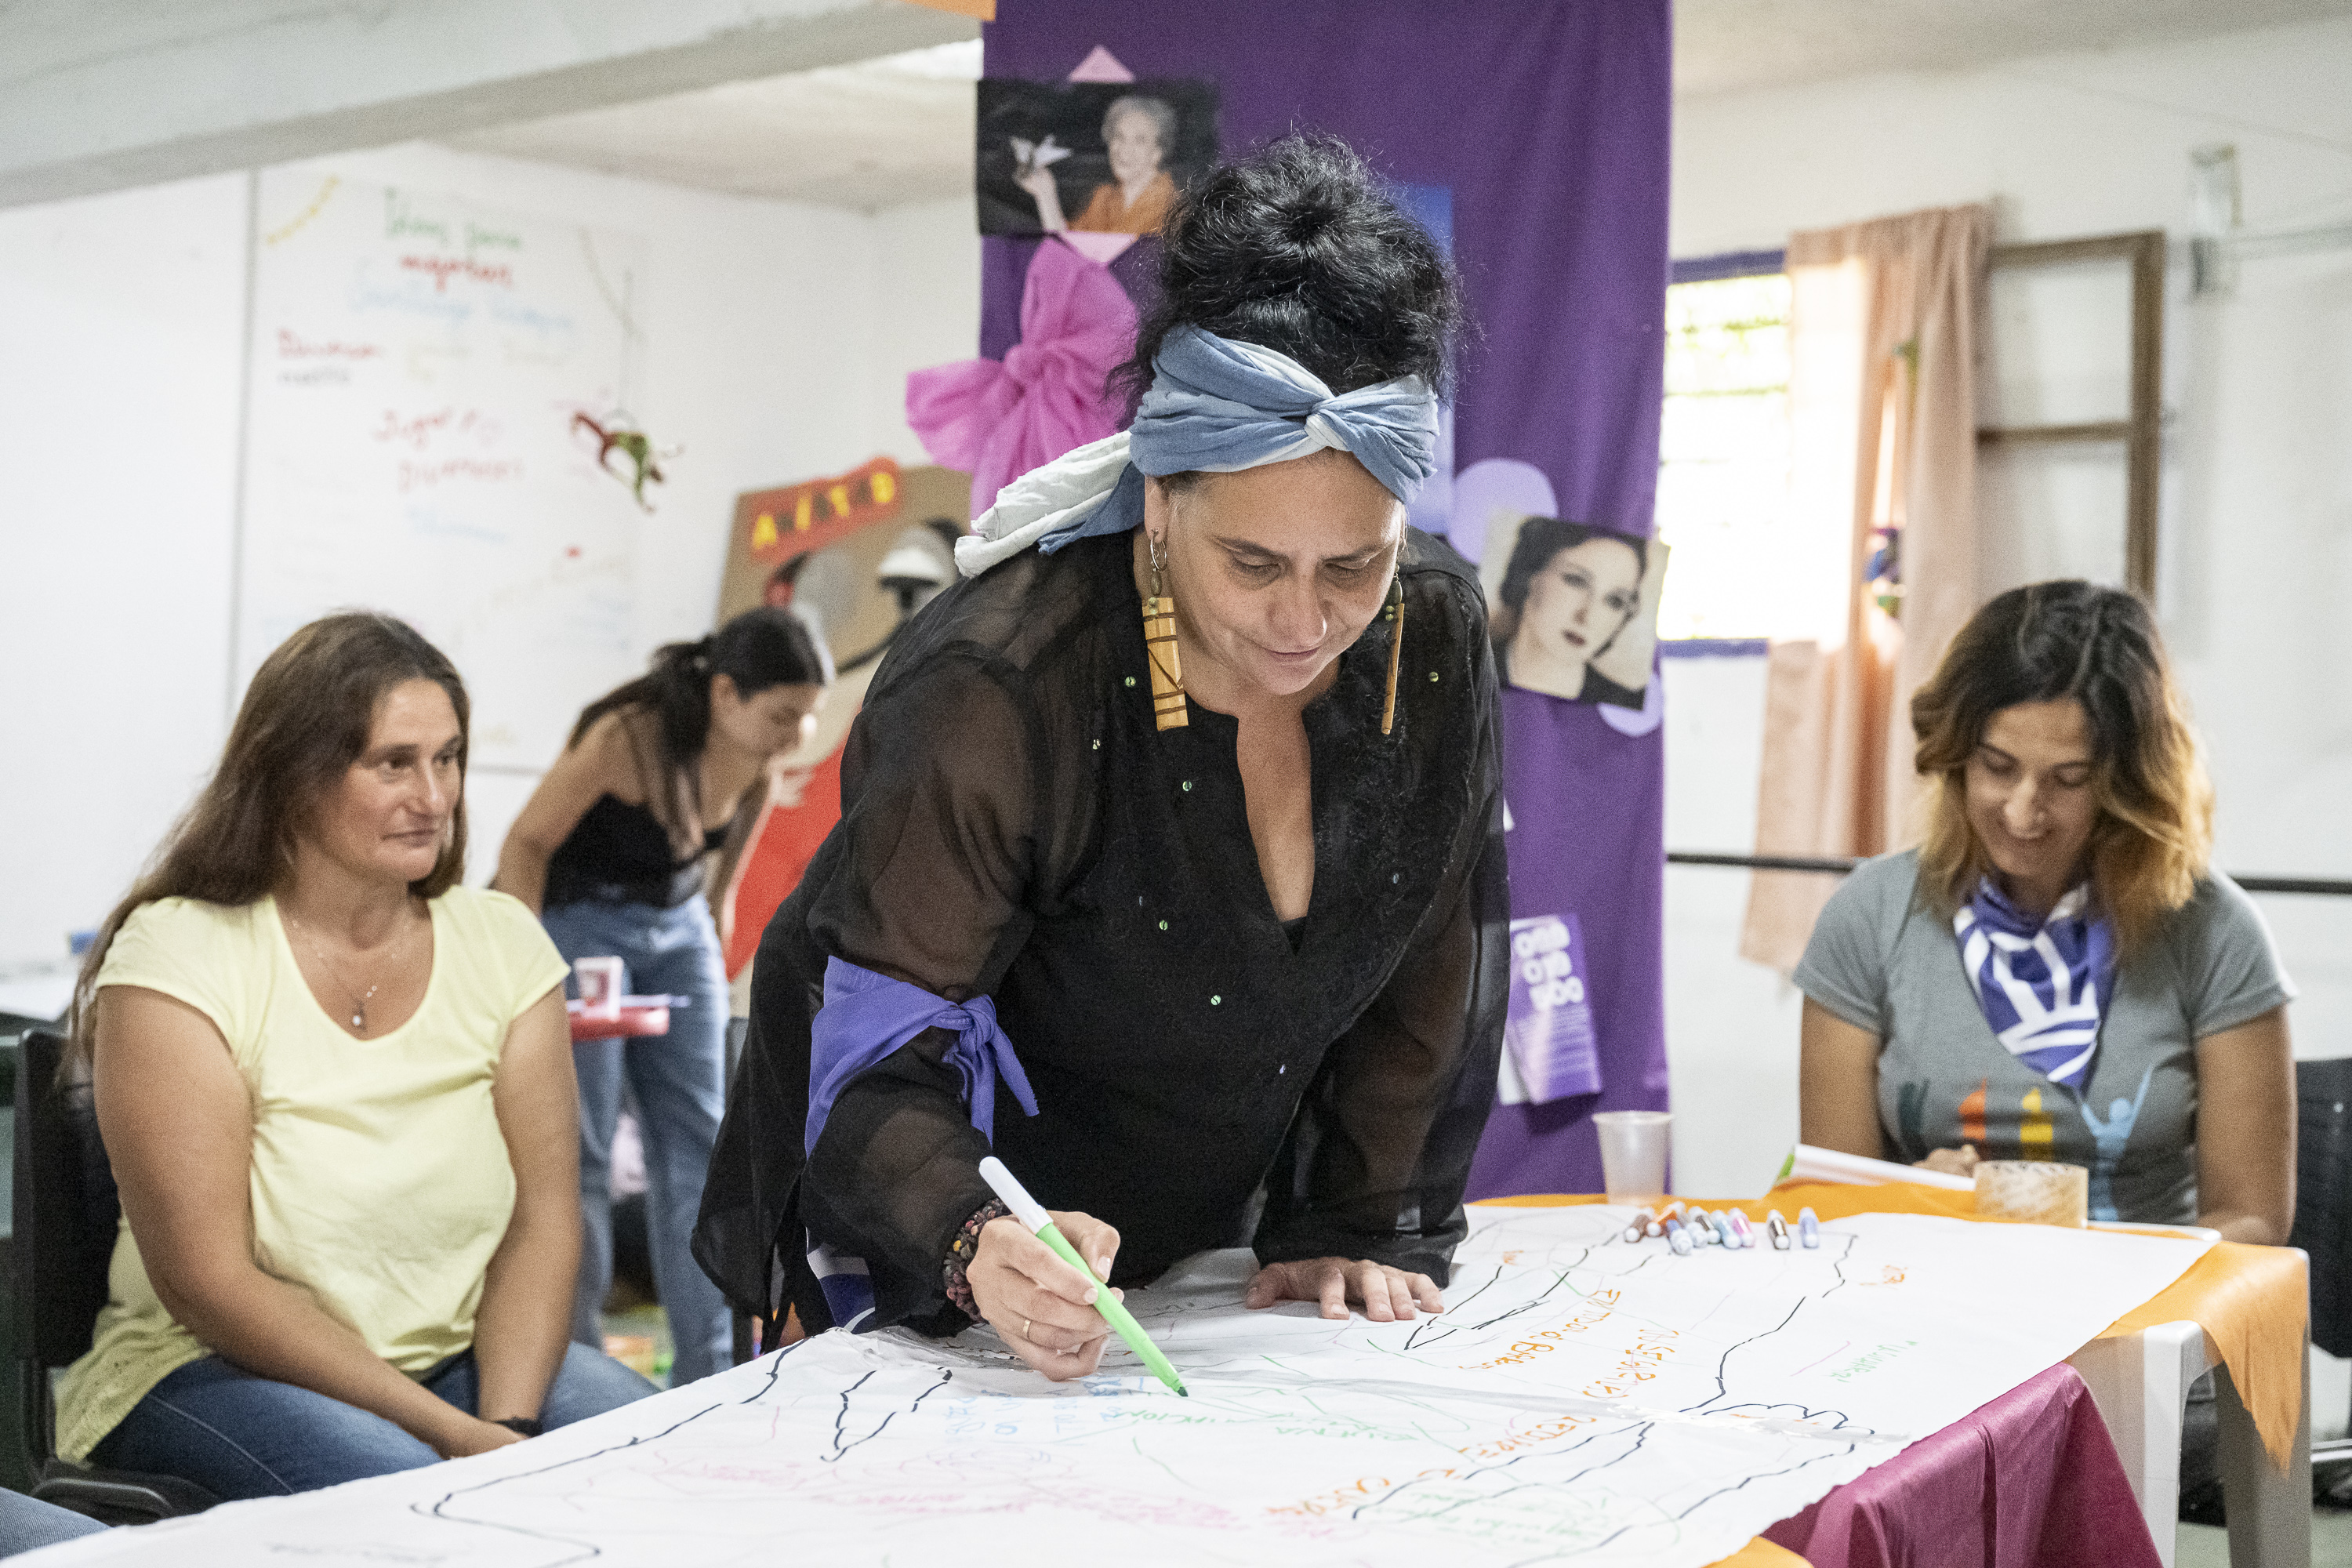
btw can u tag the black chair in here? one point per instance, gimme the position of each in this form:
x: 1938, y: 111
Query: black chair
x: 2322, y: 1228
x: 66, y: 1211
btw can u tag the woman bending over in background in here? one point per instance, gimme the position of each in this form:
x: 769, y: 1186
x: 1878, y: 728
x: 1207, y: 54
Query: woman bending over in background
x: 610, y: 848
x: 2058, y: 974
x: 336, y: 1090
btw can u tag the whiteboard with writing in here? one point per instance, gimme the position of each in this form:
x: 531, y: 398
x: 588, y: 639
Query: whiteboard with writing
x: 418, y: 360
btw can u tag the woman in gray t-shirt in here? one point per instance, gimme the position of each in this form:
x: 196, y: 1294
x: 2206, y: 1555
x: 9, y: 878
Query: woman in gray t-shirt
x: 2057, y: 973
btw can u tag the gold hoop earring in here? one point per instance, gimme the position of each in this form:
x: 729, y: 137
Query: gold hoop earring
x: 1168, y: 709
x: 1394, y: 614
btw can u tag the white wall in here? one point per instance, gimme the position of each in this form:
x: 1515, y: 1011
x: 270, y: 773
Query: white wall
x: 121, y: 403
x: 780, y: 337
x: 2255, y: 558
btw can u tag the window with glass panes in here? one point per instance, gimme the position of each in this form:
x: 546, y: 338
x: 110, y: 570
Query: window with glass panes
x: 1723, y: 458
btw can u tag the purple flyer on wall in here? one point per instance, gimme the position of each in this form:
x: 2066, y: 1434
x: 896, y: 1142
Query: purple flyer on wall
x: 1549, y: 1034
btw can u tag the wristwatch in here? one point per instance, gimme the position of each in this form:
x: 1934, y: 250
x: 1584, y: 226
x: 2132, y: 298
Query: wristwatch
x: 527, y: 1425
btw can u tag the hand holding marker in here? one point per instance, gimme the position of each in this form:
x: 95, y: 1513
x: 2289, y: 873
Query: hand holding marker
x: 1032, y: 1215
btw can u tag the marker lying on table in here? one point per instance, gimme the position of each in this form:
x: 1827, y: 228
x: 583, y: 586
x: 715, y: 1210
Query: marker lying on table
x: 1638, y: 1226
x: 1777, y: 1230
x: 1724, y: 1233
x: 1809, y: 1227
x: 1677, y: 1238
x: 1033, y: 1215
x: 1740, y: 1228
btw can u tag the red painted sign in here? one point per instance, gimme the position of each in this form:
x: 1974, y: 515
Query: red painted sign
x: 784, y: 522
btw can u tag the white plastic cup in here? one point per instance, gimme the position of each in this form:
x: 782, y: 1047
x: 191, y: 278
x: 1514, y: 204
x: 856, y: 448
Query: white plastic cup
x: 601, y: 982
x: 1633, y: 1153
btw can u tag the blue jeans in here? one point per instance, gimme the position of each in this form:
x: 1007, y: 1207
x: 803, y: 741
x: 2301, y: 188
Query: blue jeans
x: 238, y: 1436
x: 26, y: 1522
x: 680, y: 1082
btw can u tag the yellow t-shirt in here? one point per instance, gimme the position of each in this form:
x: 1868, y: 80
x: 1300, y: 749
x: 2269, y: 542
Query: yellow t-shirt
x: 379, y: 1180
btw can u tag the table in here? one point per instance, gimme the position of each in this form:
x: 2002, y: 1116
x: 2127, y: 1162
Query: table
x: 2243, y: 1310
x: 646, y: 1018
x: 2029, y: 1479
x: 2141, y: 1384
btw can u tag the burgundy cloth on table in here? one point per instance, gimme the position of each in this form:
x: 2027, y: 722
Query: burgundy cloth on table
x: 997, y: 419
x: 2030, y: 1480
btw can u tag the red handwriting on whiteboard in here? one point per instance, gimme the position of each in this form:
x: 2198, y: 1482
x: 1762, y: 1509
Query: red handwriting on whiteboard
x: 446, y: 470
x: 294, y: 345
x: 418, y: 431
x: 441, y: 268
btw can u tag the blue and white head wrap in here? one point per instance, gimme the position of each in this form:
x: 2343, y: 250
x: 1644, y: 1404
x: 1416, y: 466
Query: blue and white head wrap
x: 1215, y: 406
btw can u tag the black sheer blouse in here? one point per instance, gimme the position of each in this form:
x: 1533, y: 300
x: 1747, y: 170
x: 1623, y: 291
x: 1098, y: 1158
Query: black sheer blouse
x: 1013, y: 826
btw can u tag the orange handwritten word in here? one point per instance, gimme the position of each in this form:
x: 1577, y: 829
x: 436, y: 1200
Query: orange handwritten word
x: 1598, y: 1309
x: 1367, y: 1488
x: 441, y: 268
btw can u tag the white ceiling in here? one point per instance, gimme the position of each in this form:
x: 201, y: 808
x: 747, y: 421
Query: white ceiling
x: 1730, y: 45
x: 898, y: 130
x: 876, y: 134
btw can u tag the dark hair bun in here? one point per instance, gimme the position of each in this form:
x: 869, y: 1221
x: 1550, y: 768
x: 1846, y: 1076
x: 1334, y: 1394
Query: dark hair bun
x: 1297, y: 247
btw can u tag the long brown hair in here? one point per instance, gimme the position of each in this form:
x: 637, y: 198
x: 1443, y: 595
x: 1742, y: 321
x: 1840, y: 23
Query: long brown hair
x: 305, y: 720
x: 2153, y: 838
x: 764, y: 647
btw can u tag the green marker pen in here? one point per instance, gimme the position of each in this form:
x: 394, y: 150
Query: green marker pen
x: 1028, y: 1210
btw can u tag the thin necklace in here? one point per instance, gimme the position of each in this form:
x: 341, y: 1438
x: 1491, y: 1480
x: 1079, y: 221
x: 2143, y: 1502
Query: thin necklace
x: 360, y: 1002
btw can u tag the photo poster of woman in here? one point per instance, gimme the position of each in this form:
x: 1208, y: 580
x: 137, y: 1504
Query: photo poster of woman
x: 1573, y: 607
x: 1090, y: 157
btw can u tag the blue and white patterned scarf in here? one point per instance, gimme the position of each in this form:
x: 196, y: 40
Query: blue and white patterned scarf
x: 2042, y: 984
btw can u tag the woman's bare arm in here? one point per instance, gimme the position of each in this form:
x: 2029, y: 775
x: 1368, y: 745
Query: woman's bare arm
x: 2245, y: 1131
x: 178, y: 1123
x: 525, y: 1317
x: 1837, y: 1084
x: 599, y: 765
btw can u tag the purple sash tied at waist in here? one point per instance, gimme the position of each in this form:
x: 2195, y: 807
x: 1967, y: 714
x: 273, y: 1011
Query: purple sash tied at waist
x: 866, y: 1016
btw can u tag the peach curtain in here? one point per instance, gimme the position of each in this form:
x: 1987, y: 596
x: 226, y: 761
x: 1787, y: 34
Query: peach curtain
x: 1882, y: 390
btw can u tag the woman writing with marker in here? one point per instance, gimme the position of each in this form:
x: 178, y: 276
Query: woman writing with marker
x: 611, y: 849
x: 1192, y: 912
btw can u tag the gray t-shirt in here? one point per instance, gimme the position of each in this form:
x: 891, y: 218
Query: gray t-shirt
x: 1882, y: 959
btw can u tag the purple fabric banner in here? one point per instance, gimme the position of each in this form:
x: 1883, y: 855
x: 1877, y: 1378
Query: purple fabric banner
x: 1548, y: 124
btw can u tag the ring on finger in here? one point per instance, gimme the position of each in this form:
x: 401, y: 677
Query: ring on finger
x: 1024, y: 1330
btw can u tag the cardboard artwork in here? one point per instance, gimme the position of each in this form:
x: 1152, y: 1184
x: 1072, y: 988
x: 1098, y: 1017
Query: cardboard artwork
x: 1574, y: 607
x: 1090, y: 157
x: 856, y: 554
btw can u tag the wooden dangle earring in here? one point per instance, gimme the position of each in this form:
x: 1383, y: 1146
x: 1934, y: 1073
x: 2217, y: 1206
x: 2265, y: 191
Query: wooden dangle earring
x: 1394, y: 614
x: 1160, y: 644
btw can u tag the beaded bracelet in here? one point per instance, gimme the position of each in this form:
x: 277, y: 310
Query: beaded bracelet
x: 963, y: 1250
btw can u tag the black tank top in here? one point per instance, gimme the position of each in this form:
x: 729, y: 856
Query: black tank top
x: 622, y: 854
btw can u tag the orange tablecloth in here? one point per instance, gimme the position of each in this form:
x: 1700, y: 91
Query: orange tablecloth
x: 2251, y: 1301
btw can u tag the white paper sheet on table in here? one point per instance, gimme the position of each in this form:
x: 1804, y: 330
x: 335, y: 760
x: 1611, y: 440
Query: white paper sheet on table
x: 1581, y: 1400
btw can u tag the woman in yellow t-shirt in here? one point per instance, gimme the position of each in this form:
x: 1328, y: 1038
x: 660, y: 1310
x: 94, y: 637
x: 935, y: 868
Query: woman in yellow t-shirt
x: 336, y: 1089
